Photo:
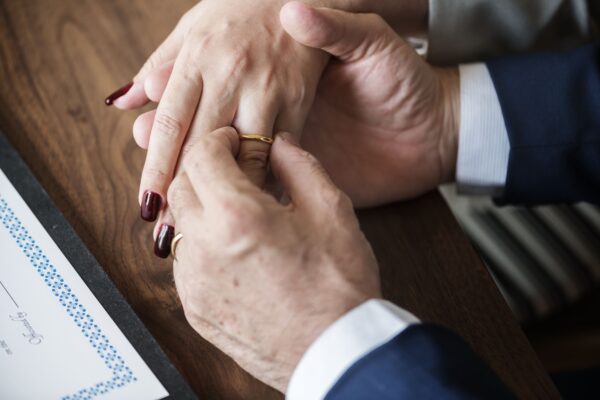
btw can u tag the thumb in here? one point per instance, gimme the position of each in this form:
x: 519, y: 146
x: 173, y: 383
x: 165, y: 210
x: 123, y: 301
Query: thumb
x: 345, y: 35
x: 303, y: 178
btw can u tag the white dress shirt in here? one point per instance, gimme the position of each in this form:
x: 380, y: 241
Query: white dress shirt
x: 482, y: 164
x: 483, y: 145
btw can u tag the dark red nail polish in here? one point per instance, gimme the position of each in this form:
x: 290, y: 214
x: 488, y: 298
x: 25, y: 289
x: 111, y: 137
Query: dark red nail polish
x: 151, y: 203
x: 162, y: 245
x: 117, y: 93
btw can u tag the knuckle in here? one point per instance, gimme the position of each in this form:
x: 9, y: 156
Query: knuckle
x: 269, y: 79
x: 228, y: 87
x: 203, y: 41
x: 344, y: 202
x: 236, y: 62
x: 380, y: 26
x: 167, y: 126
x: 198, y: 45
x: 243, y: 218
x: 184, y: 21
x: 195, y: 164
x: 311, y: 160
x: 189, y: 145
x: 155, y: 174
x: 375, y: 19
x: 329, y: 196
x: 335, y: 198
x: 191, y: 74
x: 151, y: 63
x: 253, y: 159
x: 209, y: 148
x: 296, y: 94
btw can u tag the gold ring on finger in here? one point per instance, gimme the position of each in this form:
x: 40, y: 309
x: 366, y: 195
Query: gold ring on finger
x: 174, y: 244
x: 256, y: 137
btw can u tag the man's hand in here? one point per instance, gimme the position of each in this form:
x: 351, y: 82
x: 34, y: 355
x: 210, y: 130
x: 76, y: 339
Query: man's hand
x: 384, y: 123
x: 258, y: 279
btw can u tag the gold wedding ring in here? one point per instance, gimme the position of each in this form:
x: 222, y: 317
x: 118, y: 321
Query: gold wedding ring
x: 258, y: 138
x: 174, y: 243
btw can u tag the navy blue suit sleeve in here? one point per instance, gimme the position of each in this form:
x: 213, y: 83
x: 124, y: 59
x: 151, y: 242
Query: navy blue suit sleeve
x: 551, y: 108
x: 425, y: 361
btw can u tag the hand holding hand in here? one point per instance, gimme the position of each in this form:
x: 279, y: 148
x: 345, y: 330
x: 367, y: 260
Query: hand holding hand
x: 258, y: 279
x: 384, y: 123
x: 227, y: 63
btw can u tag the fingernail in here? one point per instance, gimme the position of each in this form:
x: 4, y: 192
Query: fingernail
x: 151, y: 203
x: 162, y: 245
x: 117, y: 93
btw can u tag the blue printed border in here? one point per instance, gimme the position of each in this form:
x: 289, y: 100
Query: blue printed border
x: 121, y: 373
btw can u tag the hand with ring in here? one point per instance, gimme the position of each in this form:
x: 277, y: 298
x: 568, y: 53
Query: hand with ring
x: 230, y: 63
x: 227, y: 63
x: 384, y: 123
x: 165, y: 240
x: 240, y: 251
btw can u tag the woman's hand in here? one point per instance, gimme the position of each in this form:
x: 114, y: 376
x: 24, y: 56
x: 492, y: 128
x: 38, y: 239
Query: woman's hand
x: 230, y: 64
x: 258, y: 279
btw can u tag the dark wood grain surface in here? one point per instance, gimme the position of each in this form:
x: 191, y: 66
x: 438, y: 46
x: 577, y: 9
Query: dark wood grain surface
x: 59, y: 58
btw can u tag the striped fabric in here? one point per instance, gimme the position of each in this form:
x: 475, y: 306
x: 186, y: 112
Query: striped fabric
x: 542, y: 258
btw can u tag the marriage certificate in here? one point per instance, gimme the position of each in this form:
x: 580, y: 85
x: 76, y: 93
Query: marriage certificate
x: 56, y: 339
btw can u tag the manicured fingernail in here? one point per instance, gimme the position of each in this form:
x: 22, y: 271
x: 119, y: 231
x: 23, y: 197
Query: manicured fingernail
x: 117, y: 93
x: 151, y: 203
x: 162, y: 244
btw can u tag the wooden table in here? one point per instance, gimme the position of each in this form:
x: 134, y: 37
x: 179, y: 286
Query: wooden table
x: 58, y: 59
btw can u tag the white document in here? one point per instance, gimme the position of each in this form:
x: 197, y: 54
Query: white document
x: 56, y: 339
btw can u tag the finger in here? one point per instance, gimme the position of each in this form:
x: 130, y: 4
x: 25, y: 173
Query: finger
x: 171, y: 123
x: 165, y: 218
x: 217, y: 113
x: 128, y: 97
x: 255, y: 117
x: 142, y: 127
x: 154, y: 86
x: 182, y: 200
x: 166, y: 52
x: 302, y: 176
x: 345, y: 35
x: 156, y: 81
x: 216, y: 110
x: 164, y: 231
x: 291, y: 121
x: 186, y: 210
x: 212, y: 168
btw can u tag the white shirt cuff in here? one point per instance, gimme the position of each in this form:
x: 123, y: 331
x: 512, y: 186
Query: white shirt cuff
x: 354, y: 335
x: 483, y: 145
